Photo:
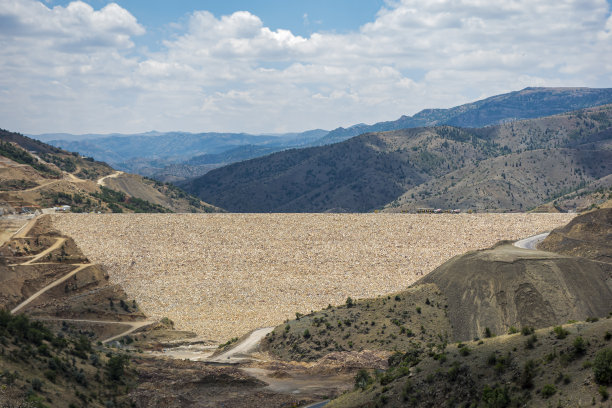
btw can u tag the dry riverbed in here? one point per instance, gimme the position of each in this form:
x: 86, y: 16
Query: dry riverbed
x: 221, y: 275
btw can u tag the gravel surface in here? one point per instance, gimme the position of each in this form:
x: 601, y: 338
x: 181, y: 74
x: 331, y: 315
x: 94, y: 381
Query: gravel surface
x: 221, y: 275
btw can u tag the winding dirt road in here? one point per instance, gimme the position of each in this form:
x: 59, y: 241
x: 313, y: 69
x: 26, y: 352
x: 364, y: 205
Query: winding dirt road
x: 22, y: 233
x: 102, y: 179
x: 79, y: 267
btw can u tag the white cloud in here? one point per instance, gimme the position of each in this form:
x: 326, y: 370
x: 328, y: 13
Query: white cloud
x: 75, y: 68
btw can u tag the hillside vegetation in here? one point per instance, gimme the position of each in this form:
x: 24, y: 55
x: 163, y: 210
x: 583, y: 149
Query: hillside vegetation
x: 42, y: 369
x: 34, y: 173
x: 512, y: 166
x: 501, y: 327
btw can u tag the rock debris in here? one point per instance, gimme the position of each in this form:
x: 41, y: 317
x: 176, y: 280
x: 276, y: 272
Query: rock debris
x: 221, y: 275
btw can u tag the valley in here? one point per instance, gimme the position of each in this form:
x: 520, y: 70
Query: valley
x: 298, y: 303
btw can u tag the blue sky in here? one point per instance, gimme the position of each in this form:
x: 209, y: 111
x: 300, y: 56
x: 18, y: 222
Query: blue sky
x: 278, y: 66
x: 300, y: 16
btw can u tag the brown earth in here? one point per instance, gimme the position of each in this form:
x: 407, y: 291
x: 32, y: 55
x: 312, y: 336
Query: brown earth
x: 165, y: 195
x: 34, y: 173
x: 180, y: 383
x: 511, y: 287
x: 587, y: 236
x: 87, y: 295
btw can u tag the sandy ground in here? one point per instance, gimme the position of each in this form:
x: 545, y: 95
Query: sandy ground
x: 222, y: 275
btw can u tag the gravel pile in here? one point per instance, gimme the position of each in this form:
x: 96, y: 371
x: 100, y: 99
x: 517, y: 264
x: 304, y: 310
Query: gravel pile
x: 221, y: 275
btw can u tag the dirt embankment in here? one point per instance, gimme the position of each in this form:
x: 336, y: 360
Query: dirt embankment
x: 588, y: 236
x: 222, y: 275
x: 44, y: 275
x: 511, y: 287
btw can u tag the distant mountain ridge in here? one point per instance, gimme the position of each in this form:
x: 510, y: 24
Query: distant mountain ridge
x: 524, y: 104
x: 513, y: 166
x: 173, y: 156
x: 151, y: 152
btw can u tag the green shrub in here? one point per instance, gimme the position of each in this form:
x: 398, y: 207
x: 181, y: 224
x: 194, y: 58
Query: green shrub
x: 603, y: 391
x: 526, y: 331
x: 548, y: 390
x: 580, y: 346
x: 50, y: 375
x: 602, y: 367
x: 528, y: 373
x: 560, y: 332
x: 492, y: 359
x: 531, y: 341
x: 115, y: 366
x: 363, y: 379
x: 465, y: 351
x: 495, y: 397
x: 37, y: 384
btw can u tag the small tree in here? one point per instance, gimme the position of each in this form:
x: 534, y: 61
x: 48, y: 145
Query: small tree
x: 349, y: 302
x: 602, y: 367
x: 115, y: 367
x: 362, y: 379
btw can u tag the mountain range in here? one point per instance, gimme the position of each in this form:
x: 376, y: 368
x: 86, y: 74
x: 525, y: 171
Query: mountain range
x: 511, y: 166
x: 178, y: 156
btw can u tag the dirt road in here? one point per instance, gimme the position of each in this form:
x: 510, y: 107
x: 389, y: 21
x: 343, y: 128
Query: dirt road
x: 531, y: 242
x: 23, y: 233
x: 102, y: 179
x: 56, y: 245
x: 239, y: 352
x: 79, y: 267
x: 11, y: 226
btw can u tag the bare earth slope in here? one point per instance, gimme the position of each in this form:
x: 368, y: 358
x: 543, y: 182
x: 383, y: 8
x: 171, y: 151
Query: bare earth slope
x: 588, y: 236
x: 222, y: 275
x: 508, y: 286
x: 158, y: 193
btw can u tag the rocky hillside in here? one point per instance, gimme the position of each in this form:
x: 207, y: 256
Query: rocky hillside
x: 488, y: 292
x: 588, y: 236
x: 33, y: 173
x: 512, y: 166
x: 563, y: 366
x: 494, y: 328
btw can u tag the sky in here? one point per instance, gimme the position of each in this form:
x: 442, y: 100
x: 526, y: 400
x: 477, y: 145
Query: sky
x: 265, y: 66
